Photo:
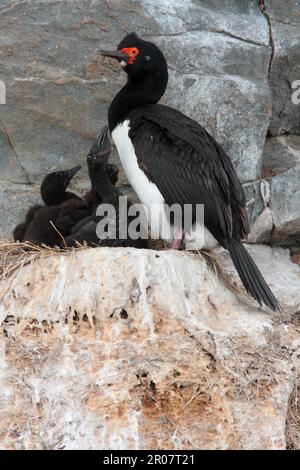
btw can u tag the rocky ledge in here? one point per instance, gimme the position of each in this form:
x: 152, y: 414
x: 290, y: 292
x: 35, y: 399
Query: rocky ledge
x: 136, y: 349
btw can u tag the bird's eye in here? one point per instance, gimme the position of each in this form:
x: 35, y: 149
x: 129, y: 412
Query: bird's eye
x: 134, y: 51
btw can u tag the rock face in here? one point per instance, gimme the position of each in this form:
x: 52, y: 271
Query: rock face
x: 111, y: 349
x: 281, y: 169
x: 59, y: 89
x: 282, y: 154
x: 285, y: 70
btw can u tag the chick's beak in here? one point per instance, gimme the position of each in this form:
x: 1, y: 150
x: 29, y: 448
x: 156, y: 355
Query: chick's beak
x: 72, y: 172
x: 102, y: 146
x: 103, y: 142
x: 118, y: 55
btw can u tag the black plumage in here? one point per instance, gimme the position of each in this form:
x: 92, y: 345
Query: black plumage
x: 54, y: 186
x: 103, y: 178
x: 189, y: 167
x: 184, y: 162
x: 20, y: 230
x: 63, y: 210
x: 47, y: 224
x: 52, y: 223
x: 99, y: 171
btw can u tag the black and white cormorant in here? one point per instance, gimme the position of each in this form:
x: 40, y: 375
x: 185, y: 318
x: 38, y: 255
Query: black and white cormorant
x: 170, y: 159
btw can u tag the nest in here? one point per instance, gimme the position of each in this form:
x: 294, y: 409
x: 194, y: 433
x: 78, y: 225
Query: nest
x: 14, y: 256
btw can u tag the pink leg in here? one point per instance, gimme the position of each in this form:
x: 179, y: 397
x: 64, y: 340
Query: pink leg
x: 176, y: 244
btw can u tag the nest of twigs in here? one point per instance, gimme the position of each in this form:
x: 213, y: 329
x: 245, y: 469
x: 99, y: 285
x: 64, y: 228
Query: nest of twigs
x: 16, y: 255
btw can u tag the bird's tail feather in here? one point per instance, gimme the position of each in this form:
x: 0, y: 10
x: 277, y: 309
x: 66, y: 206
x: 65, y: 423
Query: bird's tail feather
x: 251, y: 277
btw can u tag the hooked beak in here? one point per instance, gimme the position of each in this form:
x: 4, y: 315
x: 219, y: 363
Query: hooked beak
x: 103, y: 142
x: 102, y: 147
x: 114, y: 55
x: 72, y: 172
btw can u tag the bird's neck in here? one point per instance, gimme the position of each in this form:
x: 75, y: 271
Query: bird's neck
x: 52, y: 196
x: 138, y: 91
x: 93, y: 198
x: 107, y: 189
x: 101, y: 183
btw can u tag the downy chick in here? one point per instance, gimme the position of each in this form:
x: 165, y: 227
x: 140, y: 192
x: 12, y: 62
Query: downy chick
x: 53, y: 192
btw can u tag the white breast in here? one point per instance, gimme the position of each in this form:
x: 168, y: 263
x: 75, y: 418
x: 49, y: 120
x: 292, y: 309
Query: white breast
x: 147, y: 191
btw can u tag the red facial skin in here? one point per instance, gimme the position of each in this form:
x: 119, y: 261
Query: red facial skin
x: 132, y: 52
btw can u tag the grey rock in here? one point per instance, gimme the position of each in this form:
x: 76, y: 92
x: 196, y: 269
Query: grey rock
x: 240, y: 19
x: 258, y: 197
x: 281, y: 274
x: 15, y: 200
x: 284, y: 12
x: 261, y: 229
x: 280, y: 155
x: 285, y: 69
x: 11, y: 168
x: 281, y: 165
x: 255, y: 203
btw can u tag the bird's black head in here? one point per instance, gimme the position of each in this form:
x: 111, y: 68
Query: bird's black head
x: 147, y: 72
x: 138, y: 57
x: 54, y: 185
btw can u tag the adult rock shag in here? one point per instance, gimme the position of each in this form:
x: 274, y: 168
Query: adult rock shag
x: 169, y: 158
